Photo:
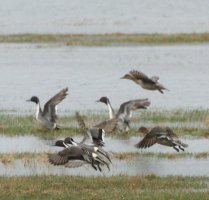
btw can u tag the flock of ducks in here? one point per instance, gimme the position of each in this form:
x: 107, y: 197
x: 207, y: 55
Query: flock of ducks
x: 76, y: 154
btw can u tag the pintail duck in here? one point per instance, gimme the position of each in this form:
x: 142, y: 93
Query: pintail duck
x: 163, y: 136
x: 76, y: 154
x: 125, y: 111
x: 48, y: 116
x: 96, y: 135
x: 100, y: 129
x: 68, y: 142
x: 144, y: 81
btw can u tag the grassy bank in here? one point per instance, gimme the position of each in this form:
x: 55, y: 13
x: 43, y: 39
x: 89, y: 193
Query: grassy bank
x: 106, y: 39
x: 184, y: 122
x: 121, y: 187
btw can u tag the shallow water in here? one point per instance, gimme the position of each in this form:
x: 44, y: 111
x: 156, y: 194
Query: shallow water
x: 33, y: 144
x: 93, y: 16
x: 133, y: 167
x: 186, y: 166
x: 94, y: 72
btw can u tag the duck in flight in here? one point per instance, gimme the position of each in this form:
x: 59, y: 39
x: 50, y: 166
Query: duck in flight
x: 97, y: 132
x: 48, y: 116
x: 159, y: 135
x: 76, y: 154
x: 144, y: 81
x: 125, y: 111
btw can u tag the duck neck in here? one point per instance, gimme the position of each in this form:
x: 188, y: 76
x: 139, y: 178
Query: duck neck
x: 111, y: 111
x: 38, y: 109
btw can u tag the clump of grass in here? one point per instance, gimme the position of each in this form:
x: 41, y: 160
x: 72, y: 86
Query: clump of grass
x: 105, y: 39
x: 179, y: 115
x: 126, y: 156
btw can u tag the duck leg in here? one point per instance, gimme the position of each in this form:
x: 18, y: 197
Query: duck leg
x: 181, y: 148
x: 98, y: 165
x: 92, y: 164
x: 176, y: 148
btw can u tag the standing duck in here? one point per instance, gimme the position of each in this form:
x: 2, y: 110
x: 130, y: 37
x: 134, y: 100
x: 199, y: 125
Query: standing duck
x: 48, y: 116
x: 144, y: 81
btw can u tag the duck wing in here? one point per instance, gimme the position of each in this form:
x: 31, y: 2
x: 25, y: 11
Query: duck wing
x: 62, y: 157
x: 81, y: 122
x: 50, y: 108
x: 147, y: 141
x: 140, y: 76
x: 151, y: 138
x: 108, y: 125
x: 95, y: 134
x: 75, y: 163
x: 126, y: 109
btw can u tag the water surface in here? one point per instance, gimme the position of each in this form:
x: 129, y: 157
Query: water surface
x: 93, y: 16
x: 90, y: 73
x: 134, y: 167
x: 32, y: 144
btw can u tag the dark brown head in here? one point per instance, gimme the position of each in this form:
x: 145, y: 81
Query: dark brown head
x: 59, y: 143
x: 103, y: 100
x: 170, y: 131
x: 127, y: 76
x: 34, y: 99
x: 143, y: 130
x: 69, y: 140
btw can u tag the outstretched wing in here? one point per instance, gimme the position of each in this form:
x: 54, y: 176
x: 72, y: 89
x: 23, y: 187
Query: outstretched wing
x: 126, y: 109
x: 81, y: 122
x: 50, y: 108
x: 108, y: 125
x: 87, y: 134
x: 147, y: 141
x: 140, y: 76
x: 151, y: 138
x: 62, y: 157
x: 75, y: 163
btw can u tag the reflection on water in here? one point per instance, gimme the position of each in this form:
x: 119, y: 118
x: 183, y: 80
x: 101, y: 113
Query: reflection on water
x: 133, y: 167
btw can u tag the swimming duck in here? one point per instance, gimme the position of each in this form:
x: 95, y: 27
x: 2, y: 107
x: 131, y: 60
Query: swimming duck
x: 48, y: 116
x: 125, y: 111
x: 163, y: 136
x: 144, y: 81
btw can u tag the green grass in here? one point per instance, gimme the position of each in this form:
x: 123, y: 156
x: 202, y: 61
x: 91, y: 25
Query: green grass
x: 177, y: 115
x: 124, y: 156
x: 105, y: 39
x: 184, y: 122
x: 120, y: 187
x: 116, y: 187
